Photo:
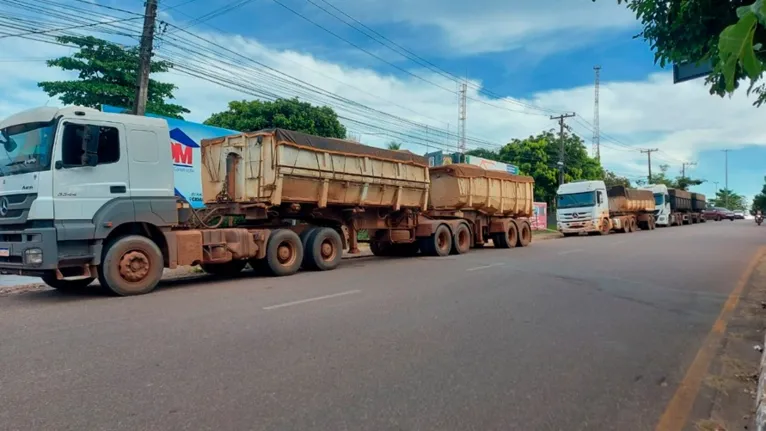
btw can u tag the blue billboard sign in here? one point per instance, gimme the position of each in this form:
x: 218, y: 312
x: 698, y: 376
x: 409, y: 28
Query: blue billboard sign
x: 185, y: 138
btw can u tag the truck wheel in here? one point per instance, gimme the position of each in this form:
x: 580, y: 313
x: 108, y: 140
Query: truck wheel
x: 507, y: 239
x: 324, y: 250
x: 233, y: 267
x: 461, y: 240
x: 284, y: 253
x: 405, y: 250
x: 633, y: 225
x: 305, y: 235
x: 381, y: 249
x: 438, y: 244
x: 131, y: 265
x: 525, y: 234
x: 605, y: 228
x: 65, y: 285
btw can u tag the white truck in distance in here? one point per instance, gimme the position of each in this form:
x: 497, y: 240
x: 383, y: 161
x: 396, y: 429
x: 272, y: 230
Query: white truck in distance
x: 662, y: 213
x: 591, y: 207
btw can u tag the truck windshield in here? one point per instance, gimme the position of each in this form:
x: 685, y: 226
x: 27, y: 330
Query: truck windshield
x: 659, y: 199
x: 574, y: 200
x: 26, y: 148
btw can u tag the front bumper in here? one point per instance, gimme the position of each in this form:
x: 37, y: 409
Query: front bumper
x: 577, y: 227
x: 28, y: 251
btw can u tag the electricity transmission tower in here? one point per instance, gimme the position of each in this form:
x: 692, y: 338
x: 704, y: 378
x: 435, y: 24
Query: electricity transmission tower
x: 596, y: 128
x: 462, y: 115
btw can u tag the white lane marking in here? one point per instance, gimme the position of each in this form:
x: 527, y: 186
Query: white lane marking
x: 318, y: 298
x: 574, y: 250
x: 478, y: 268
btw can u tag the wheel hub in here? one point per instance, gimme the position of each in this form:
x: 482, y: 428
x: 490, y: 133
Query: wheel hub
x: 134, y: 266
x: 285, y: 253
x: 328, y: 251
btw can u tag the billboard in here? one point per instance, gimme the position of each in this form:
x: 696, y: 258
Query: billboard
x: 185, y: 137
x: 491, y: 165
x: 439, y: 158
x: 540, y: 220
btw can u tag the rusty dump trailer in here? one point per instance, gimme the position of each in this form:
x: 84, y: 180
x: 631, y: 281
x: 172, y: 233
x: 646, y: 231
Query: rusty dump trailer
x: 304, y: 198
x: 682, y: 207
x: 630, y: 209
x: 699, y: 204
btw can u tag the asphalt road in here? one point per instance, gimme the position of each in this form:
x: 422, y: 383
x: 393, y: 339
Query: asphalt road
x: 579, y: 333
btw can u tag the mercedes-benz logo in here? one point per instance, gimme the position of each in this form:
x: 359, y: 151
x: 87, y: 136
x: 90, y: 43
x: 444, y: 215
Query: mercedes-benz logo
x: 4, y: 207
x: 575, y: 215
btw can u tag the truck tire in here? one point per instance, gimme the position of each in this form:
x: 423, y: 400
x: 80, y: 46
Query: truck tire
x: 605, y: 228
x: 284, y: 253
x: 323, y: 250
x: 525, y: 234
x: 506, y: 239
x: 380, y: 248
x: 461, y: 240
x: 131, y: 265
x: 438, y: 244
x: 66, y: 285
x: 405, y: 250
x: 633, y: 225
x: 233, y: 267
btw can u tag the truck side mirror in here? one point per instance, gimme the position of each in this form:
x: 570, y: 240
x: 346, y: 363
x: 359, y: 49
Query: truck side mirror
x: 599, y: 198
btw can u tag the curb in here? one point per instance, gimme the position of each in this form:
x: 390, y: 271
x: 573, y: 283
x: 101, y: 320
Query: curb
x: 760, y: 404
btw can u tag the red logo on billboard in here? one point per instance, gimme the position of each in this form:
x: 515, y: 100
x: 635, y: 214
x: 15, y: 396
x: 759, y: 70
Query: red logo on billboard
x: 182, y: 155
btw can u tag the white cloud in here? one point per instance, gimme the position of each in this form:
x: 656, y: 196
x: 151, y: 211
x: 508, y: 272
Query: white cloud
x: 538, y: 26
x: 682, y: 120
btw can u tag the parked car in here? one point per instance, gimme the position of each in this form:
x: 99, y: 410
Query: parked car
x: 739, y: 215
x: 718, y: 214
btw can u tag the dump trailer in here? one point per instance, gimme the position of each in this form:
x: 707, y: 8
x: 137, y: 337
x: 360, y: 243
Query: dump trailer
x: 680, y: 207
x: 699, y: 205
x: 590, y: 207
x: 91, y: 195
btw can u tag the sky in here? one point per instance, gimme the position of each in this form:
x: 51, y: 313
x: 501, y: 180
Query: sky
x: 392, y: 68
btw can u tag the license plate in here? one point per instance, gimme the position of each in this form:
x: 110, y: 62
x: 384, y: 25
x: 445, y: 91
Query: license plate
x: 4, y: 252
x: 575, y: 225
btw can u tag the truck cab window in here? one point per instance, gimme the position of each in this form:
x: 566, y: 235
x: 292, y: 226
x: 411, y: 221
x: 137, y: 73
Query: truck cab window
x: 72, y: 150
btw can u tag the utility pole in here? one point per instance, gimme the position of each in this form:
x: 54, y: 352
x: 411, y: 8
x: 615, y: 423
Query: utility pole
x: 145, y: 58
x: 716, y: 187
x: 596, y: 116
x: 649, y: 160
x: 726, y: 179
x: 561, y: 119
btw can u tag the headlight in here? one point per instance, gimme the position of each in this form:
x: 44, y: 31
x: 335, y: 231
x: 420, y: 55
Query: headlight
x: 33, y: 256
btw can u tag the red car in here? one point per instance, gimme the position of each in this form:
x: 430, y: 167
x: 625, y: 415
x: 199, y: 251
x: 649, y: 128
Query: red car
x: 718, y: 214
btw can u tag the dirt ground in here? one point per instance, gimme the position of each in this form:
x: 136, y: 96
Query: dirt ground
x: 727, y: 399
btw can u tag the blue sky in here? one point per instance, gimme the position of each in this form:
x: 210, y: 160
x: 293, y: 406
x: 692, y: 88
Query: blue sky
x: 535, y: 52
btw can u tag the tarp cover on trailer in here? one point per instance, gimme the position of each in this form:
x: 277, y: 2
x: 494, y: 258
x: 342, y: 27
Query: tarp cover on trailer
x: 332, y: 145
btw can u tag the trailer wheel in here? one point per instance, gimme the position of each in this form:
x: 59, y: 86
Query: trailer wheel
x: 323, y: 250
x: 50, y: 279
x: 233, y: 267
x: 305, y: 235
x: 507, y: 239
x: 633, y: 225
x: 379, y: 248
x: 438, y: 244
x: 131, y: 265
x: 461, y: 240
x: 525, y: 234
x: 284, y: 253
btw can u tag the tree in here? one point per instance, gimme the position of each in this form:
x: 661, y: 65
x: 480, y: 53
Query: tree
x: 537, y: 156
x: 726, y: 198
x: 730, y: 34
x: 759, y: 201
x: 107, y: 74
x: 679, y: 182
x: 291, y: 114
x: 393, y: 145
x: 612, y: 179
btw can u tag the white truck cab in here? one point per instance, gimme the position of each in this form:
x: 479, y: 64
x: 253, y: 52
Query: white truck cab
x: 662, y: 212
x: 70, y: 177
x: 581, y: 206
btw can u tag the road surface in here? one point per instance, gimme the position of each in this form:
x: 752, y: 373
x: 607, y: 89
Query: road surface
x: 578, y: 333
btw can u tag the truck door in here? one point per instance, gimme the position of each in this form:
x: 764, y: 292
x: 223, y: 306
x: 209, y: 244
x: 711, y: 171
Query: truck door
x: 90, y: 168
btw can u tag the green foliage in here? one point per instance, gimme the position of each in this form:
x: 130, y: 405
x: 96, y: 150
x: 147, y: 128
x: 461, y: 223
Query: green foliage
x: 679, y: 182
x: 759, y: 201
x: 107, y: 74
x: 537, y: 156
x: 393, y: 145
x: 728, y: 199
x: 612, y: 179
x: 290, y: 114
x: 731, y: 34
